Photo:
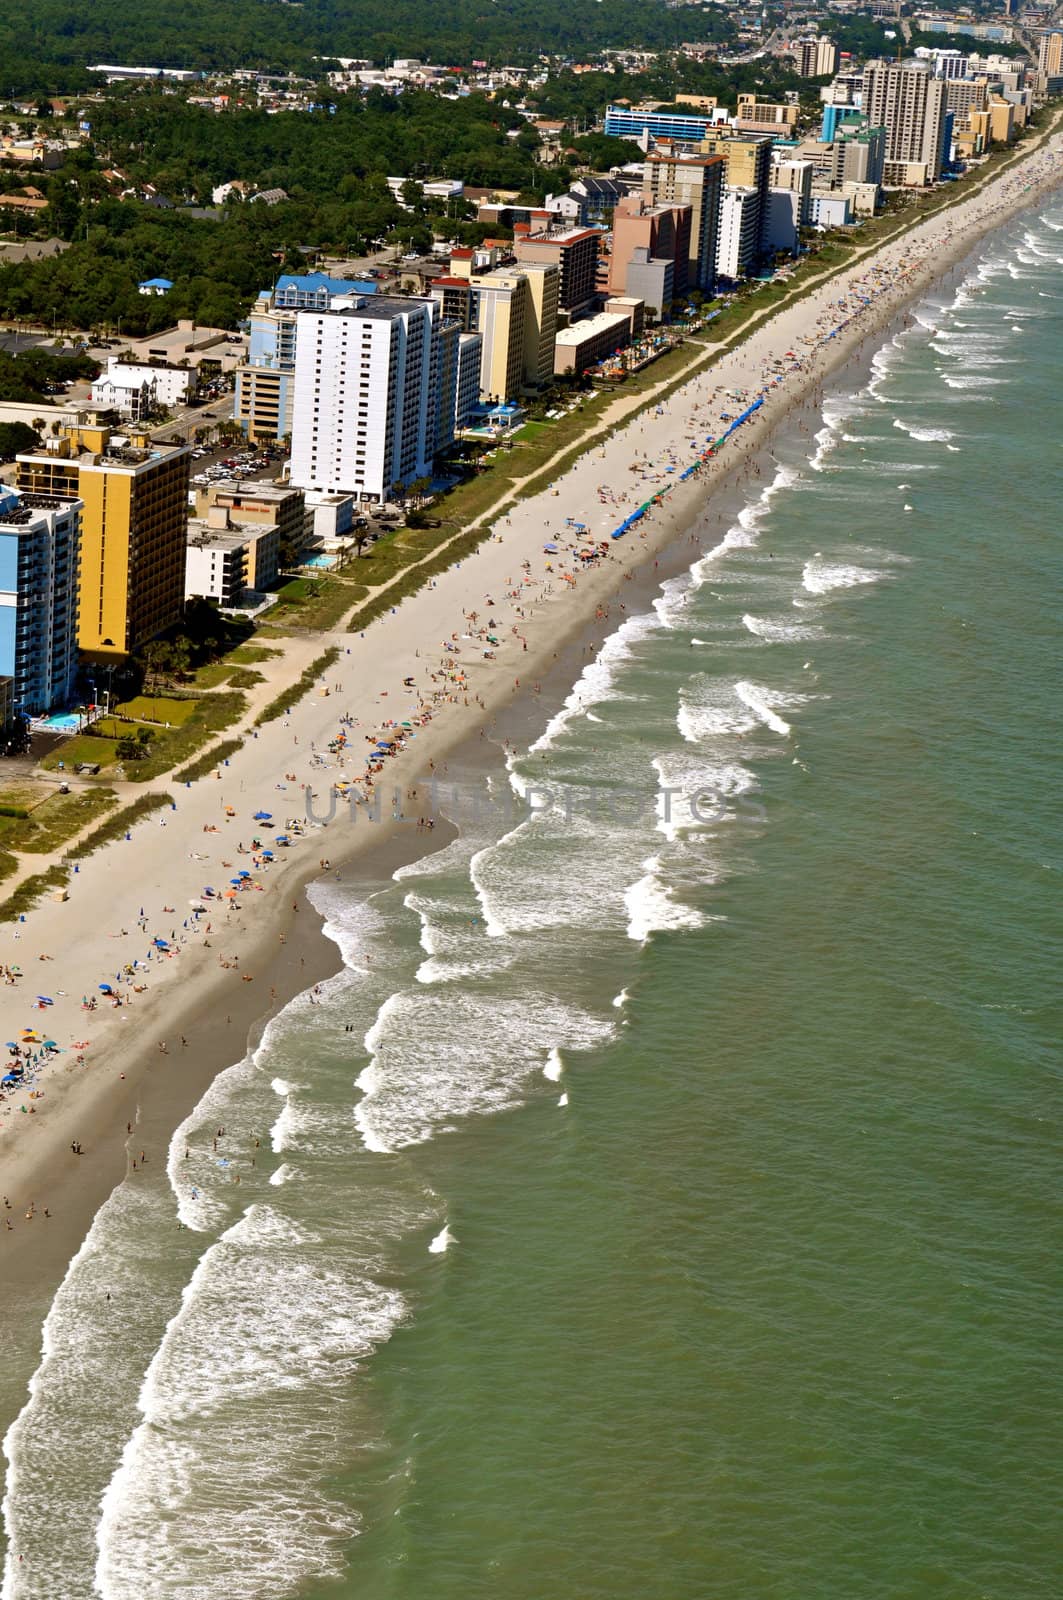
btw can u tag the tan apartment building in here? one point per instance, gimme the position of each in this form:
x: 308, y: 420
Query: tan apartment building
x: 515, y: 311
x: 907, y: 100
x: 697, y: 182
x: 816, y: 58
x: 131, y: 579
x: 765, y: 116
x: 267, y: 506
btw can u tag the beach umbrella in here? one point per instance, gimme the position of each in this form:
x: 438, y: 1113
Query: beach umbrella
x: 46, y: 1000
x: 245, y: 874
x: 50, y: 1044
x: 161, y: 944
x: 105, y: 988
x: 263, y: 816
x: 230, y: 894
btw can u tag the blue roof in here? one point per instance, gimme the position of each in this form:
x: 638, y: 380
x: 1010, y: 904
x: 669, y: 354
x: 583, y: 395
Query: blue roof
x: 155, y: 283
x: 310, y: 282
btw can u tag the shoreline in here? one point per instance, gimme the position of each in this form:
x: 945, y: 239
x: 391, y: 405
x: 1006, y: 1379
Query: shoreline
x: 122, y: 1082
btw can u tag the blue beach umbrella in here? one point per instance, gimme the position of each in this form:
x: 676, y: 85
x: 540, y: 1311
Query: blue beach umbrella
x: 263, y: 816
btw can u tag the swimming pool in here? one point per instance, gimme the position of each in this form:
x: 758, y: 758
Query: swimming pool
x: 320, y: 561
x: 60, y: 722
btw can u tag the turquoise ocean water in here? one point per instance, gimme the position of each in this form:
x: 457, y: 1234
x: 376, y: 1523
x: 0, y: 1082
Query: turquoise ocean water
x: 669, y: 1208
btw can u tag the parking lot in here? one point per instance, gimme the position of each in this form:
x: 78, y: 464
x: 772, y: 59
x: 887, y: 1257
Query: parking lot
x: 213, y: 464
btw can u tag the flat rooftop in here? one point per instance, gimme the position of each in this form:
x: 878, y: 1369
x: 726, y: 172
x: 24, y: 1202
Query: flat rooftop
x: 252, y: 490
x: 601, y: 322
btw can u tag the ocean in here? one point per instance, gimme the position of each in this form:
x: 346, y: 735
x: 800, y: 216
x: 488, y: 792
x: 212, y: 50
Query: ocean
x: 662, y: 1201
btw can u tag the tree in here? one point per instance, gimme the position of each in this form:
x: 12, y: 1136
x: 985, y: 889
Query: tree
x: 16, y: 437
x: 180, y: 657
x: 134, y: 749
x: 156, y: 656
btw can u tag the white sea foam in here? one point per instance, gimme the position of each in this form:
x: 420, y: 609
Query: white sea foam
x: 350, y: 922
x: 927, y: 435
x: 709, y: 708
x: 743, y: 532
x: 759, y: 702
x: 651, y: 907
x: 249, y: 1377
x: 823, y: 577
x: 620, y: 1000
x: 284, y: 1134
x: 442, y: 1242
x: 976, y: 381
x: 554, y: 1066
x: 65, y: 1442
x: 776, y: 631
x: 284, y: 1174
x: 673, y: 600
x: 698, y: 790
x: 563, y: 1100
x: 442, y: 1057
x: 597, y: 681
x: 237, y: 1100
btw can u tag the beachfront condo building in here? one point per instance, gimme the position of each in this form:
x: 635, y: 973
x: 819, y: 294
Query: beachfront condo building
x: 265, y: 381
x: 661, y: 236
x: 858, y: 154
x: 741, y: 228
x: 816, y: 58
x: 38, y: 599
x: 467, y: 387
x: 574, y: 253
x: 514, y: 312
x: 907, y: 100
x: 697, y: 182
x: 365, y: 413
x: 131, y: 574
x: 747, y: 165
x: 795, y: 175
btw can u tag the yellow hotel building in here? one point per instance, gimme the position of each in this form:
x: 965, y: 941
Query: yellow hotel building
x: 131, y: 579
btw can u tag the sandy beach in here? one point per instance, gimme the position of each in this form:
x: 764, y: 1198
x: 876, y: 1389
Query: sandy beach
x: 148, y: 984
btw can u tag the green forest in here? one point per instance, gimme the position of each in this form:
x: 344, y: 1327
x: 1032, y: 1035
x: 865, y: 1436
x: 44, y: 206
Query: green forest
x: 48, y: 44
x: 187, y: 150
x: 333, y: 168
